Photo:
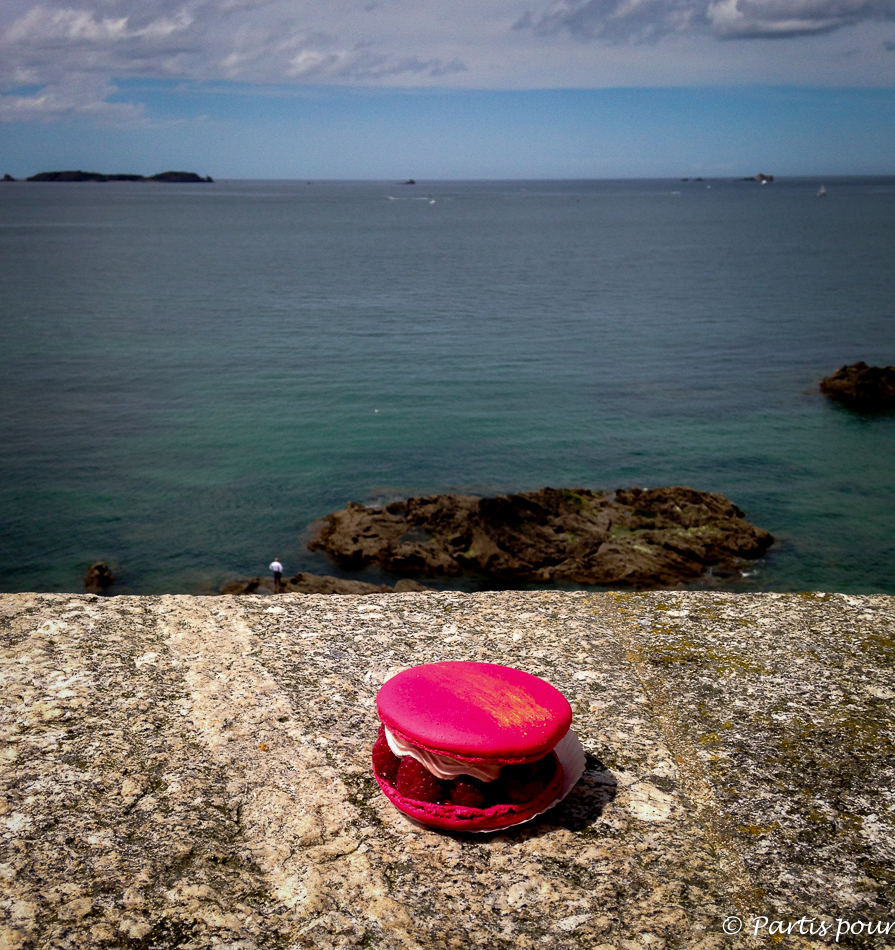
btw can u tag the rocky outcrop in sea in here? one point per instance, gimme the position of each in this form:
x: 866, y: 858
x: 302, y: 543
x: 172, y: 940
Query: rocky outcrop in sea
x: 305, y: 583
x: 99, y: 578
x: 643, y: 538
x: 862, y: 387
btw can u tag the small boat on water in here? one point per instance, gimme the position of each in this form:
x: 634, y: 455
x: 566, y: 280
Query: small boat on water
x: 822, y: 191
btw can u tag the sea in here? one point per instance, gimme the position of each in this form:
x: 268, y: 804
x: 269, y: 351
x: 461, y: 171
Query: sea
x: 192, y: 374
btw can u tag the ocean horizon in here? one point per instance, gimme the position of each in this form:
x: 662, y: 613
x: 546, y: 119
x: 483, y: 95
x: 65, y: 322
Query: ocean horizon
x: 192, y: 374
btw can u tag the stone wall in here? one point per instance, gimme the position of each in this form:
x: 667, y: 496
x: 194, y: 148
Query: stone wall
x: 194, y: 772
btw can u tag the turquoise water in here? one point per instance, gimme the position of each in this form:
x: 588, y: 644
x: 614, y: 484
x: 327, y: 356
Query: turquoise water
x: 192, y: 374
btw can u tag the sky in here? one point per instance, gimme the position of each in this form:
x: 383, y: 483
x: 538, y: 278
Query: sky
x: 441, y: 89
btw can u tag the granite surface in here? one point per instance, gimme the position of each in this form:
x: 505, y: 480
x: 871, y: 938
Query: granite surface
x: 194, y: 772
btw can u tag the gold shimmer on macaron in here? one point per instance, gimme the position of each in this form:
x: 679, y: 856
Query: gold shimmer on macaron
x: 506, y: 704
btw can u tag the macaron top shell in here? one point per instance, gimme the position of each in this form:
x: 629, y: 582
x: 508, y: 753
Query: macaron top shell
x: 478, y: 712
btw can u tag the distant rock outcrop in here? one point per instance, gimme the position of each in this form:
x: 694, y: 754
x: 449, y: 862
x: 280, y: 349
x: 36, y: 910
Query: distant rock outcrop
x: 634, y: 537
x: 180, y: 177
x: 98, y: 578
x: 8, y: 177
x: 863, y: 387
x: 167, y: 177
x: 304, y: 583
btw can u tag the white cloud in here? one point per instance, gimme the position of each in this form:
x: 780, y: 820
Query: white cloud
x: 78, y: 97
x: 748, y: 19
x: 61, y: 57
x: 49, y: 28
x: 614, y: 20
x: 264, y: 41
x: 628, y: 21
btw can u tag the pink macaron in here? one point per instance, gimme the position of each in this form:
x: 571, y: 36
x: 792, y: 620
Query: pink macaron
x: 469, y: 746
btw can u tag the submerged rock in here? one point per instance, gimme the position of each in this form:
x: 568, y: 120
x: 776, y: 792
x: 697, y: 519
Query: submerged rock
x: 635, y: 537
x: 99, y: 578
x: 868, y: 388
x: 304, y: 583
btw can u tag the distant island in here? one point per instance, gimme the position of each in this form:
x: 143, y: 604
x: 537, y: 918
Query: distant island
x: 168, y: 177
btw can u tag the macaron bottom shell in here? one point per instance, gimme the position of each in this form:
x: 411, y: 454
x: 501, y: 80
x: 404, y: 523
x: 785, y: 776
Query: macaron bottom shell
x: 465, y: 818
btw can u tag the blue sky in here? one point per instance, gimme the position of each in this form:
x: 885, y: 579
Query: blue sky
x: 487, y: 89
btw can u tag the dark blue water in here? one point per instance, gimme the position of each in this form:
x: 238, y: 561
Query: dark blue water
x: 192, y: 374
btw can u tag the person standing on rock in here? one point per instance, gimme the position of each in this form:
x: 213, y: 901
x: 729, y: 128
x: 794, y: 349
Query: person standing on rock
x: 277, y: 569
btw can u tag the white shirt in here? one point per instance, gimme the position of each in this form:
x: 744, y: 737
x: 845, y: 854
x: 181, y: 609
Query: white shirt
x: 276, y: 566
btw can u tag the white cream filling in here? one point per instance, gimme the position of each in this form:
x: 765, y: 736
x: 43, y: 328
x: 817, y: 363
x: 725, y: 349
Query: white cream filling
x: 442, y: 766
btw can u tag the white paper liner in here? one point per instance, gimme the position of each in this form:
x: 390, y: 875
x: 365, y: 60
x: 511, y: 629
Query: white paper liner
x: 570, y: 753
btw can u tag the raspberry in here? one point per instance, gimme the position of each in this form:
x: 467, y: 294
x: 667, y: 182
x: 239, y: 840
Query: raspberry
x: 520, y: 783
x: 546, y: 766
x: 385, y: 762
x: 417, y: 782
x: 467, y: 791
